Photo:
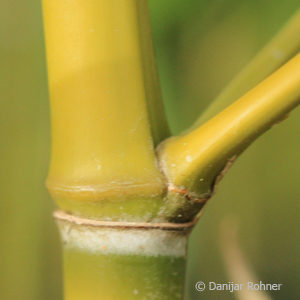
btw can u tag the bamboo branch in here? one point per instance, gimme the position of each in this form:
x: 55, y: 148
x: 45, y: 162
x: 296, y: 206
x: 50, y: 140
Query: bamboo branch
x: 282, y: 47
x: 194, y: 160
x: 157, y: 117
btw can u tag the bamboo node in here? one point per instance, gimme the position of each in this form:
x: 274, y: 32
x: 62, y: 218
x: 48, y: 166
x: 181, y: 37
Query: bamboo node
x: 65, y: 217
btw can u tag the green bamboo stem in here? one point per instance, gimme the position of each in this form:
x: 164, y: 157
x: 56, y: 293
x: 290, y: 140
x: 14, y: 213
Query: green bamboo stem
x: 127, y: 277
x: 111, y: 263
x: 159, y: 126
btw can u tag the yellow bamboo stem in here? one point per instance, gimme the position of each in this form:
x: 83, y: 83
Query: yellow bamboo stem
x: 102, y: 133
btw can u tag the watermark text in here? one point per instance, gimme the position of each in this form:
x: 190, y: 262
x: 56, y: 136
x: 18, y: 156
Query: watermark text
x: 231, y: 287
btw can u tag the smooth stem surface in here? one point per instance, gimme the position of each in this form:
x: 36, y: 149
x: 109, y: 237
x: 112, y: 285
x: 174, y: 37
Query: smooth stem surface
x: 159, y: 126
x: 90, y: 276
x: 195, y: 159
x: 283, y: 46
x: 101, y: 71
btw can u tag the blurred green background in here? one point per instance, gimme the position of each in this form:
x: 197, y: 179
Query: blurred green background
x: 201, y: 45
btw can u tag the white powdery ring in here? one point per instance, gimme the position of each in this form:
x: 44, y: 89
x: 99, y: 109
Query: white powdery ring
x: 155, y: 242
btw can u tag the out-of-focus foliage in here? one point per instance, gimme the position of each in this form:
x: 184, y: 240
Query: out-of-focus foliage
x: 29, y: 246
x: 201, y: 45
